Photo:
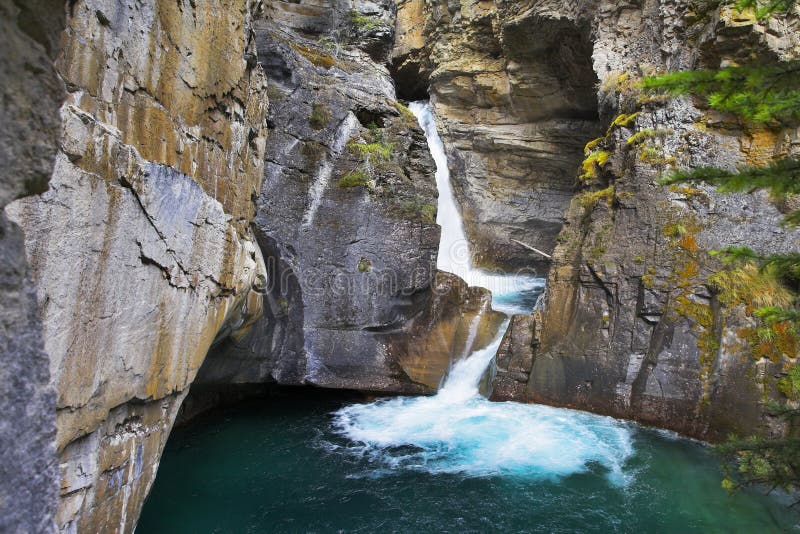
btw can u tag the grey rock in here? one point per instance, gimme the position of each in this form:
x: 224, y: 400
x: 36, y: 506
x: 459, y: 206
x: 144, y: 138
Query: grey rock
x: 631, y: 326
x: 352, y: 268
x: 31, y: 95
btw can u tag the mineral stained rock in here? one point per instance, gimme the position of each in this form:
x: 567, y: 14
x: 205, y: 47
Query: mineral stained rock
x: 141, y: 249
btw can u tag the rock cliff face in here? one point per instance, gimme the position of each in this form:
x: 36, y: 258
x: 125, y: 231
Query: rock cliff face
x: 345, y: 218
x: 632, y: 325
x: 31, y: 95
x: 141, y: 250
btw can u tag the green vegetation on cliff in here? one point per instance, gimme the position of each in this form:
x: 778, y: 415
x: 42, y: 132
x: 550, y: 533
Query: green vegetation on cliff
x: 767, y: 96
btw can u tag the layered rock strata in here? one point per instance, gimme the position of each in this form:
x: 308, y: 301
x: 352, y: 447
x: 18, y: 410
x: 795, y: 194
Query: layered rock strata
x: 141, y: 250
x: 634, y: 323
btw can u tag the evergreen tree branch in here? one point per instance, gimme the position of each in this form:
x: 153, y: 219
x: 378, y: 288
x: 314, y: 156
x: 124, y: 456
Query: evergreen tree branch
x: 760, y: 94
x: 780, y: 178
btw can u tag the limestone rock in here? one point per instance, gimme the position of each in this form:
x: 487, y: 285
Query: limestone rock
x: 345, y: 219
x: 514, y: 360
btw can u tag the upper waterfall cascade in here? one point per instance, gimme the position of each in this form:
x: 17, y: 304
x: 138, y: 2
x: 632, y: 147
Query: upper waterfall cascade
x: 512, y: 292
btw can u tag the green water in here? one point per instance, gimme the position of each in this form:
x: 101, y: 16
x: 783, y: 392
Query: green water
x: 279, y: 466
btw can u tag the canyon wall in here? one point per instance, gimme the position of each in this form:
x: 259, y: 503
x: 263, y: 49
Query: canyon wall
x: 141, y: 250
x: 31, y: 96
x: 346, y: 219
x: 632, y: 325
x: 635, y: 325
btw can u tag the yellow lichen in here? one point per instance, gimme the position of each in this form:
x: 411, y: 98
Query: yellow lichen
x: 593, y: 163
x: 589, y: 200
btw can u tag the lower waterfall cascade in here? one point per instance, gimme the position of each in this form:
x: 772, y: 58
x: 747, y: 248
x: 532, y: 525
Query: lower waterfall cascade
x: 458, y: 430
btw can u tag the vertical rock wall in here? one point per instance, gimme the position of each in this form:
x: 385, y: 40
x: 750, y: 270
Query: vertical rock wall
x: 141, y: 250
x: 31, y: 95
x: 633, y: 325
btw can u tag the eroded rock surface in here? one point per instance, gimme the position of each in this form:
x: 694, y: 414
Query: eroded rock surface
x: 457, y: 321
x: 633, y: 325
x: 514, y: 360
x: 141, y: 249
x: 146, y: 251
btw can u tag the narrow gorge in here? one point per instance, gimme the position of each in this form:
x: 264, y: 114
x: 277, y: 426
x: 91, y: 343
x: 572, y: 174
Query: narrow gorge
x: 405, y: 265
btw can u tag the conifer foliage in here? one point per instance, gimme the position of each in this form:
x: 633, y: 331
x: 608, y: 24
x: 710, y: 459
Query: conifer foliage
x: 764, y: 96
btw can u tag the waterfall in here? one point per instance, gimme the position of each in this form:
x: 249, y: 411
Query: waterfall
x: 458, y: 430
x: 454, y: 253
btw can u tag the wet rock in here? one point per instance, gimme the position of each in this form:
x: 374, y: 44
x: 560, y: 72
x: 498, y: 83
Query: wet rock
x: 514, y: 359
x: 457, y: 321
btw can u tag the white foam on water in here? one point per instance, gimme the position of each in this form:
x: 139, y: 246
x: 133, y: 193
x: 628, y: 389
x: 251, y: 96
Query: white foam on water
x: 459, y: 431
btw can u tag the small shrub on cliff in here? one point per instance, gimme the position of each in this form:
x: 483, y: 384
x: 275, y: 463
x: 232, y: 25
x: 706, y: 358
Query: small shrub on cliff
x: 320, y: 116
x: 790, y: 384
x: 374, y: 152
x: 624, y: 120
x: 757, y: 288
x: 354, y: 179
